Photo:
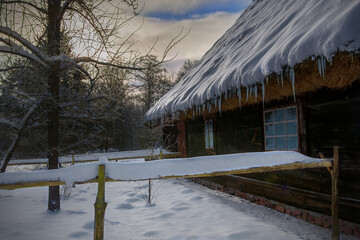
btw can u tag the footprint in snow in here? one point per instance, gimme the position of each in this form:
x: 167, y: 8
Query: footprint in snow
x: 166, y: 215
x: 78, y: 234
x: 186, y: 191
x: 132, y: 200
x: 241, y: 235
x: 196, y: 198
x: 150, y: 234
x: 89, y: 225
x: 179, y: 209
x: 125, y: 206
x: 72, y: 212
x: 131, y: 194
x: 81, y: 199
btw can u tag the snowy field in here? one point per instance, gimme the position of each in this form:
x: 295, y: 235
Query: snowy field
x: 181, y: 210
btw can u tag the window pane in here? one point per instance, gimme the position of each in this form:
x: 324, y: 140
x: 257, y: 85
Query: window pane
x: 291, y: 113
x: 269, y: 130
x: 279, y: 115
x: 291, y: 128
x: 280, y: 129
x: 280, y: 143
x: 270, y: 144
x: 292, y: 143
x: 211, y: 135
x: 269, y: 117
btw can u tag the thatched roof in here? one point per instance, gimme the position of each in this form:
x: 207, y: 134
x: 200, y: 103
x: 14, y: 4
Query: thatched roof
x: 270, y: 37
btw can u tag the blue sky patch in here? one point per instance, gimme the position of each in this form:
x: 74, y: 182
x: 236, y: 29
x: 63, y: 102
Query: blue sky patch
x: 221, y: 6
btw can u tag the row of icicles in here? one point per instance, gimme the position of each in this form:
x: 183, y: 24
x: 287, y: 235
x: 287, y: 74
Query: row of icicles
x: 253, y: 90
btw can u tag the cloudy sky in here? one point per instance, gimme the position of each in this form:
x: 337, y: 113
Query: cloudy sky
x: 206, y: 20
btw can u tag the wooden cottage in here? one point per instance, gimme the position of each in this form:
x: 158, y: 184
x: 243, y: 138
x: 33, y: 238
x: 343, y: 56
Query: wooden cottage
x: 285, y: 76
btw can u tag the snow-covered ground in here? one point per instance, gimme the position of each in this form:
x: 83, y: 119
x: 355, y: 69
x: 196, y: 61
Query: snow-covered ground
x: 182, y: 210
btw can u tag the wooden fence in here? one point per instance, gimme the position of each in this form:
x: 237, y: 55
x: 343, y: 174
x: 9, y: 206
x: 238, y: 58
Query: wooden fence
x: 159, y: 170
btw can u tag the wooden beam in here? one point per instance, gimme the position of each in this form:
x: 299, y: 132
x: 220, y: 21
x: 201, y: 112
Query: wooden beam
x: 334, y: 194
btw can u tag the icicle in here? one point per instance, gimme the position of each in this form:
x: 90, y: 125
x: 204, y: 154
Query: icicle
x: 219, y: 103
x: 282, y: 79
x: 330, y: 61
x: 226, y: 95
x: 293, y: 83
x: 215, y: 103
x: 208, y: 107
x: 203, y: 107
x: 255, y: 90
x: 193, y: 113
x: 323, y: 66
x: 267, y: 80
x: 263, y: 94
x: 239, y: 95
x: 319, y: 66
x: 277, y: 79
x: 247, y: 93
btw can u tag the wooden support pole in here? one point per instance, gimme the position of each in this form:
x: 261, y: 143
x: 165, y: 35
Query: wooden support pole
x: 334, y: 195
x: 100, y: 204
x: 73, y: 159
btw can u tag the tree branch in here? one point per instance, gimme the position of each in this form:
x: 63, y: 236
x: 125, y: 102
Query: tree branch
x: 25, y: 3
x: 90, y: 60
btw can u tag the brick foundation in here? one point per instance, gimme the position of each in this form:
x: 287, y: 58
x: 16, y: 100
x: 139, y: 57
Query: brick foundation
x: 305, y: 215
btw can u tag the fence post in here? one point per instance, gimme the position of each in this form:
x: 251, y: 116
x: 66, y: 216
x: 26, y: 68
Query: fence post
x: 100, y: 204
x: 334, y: 195
x: 73, y: 159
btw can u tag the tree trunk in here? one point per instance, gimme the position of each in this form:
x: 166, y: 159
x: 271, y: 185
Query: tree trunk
x: 53, y: 36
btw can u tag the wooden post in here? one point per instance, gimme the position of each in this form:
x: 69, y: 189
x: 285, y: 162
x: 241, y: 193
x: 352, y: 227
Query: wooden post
x: 334, y: 195
x: 100, y: 204
x: 73, y: 159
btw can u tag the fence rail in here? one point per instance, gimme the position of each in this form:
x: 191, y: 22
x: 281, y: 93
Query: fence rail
x: 218, y: 165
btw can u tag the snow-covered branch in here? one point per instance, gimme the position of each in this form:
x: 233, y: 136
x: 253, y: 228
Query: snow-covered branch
x: 20, y: 129
x: 8, y: 122
x: 21, y: 52
x: 13, y: 34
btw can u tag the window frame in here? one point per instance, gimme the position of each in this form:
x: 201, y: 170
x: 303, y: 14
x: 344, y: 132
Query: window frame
x: 209, y: 134
x: 284, y: 121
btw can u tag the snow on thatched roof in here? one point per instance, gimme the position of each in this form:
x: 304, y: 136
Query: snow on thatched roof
x: 268, y: 36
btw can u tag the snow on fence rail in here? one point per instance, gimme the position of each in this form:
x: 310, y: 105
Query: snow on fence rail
x: 217, y: 165
x: 92, y: 157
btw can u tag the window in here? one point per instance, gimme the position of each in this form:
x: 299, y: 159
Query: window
x: 209, y: 134
x: 281, y: 129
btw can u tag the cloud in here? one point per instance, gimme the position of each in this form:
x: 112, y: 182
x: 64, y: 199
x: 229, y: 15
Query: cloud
x: 204, y: 31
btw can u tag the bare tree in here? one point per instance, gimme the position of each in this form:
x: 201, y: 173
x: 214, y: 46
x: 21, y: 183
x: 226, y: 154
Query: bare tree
x: 93, y: 26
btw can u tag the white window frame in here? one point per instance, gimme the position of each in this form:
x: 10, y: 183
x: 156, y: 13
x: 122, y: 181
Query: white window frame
x: 209, y: 134
x: 285, y: 122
